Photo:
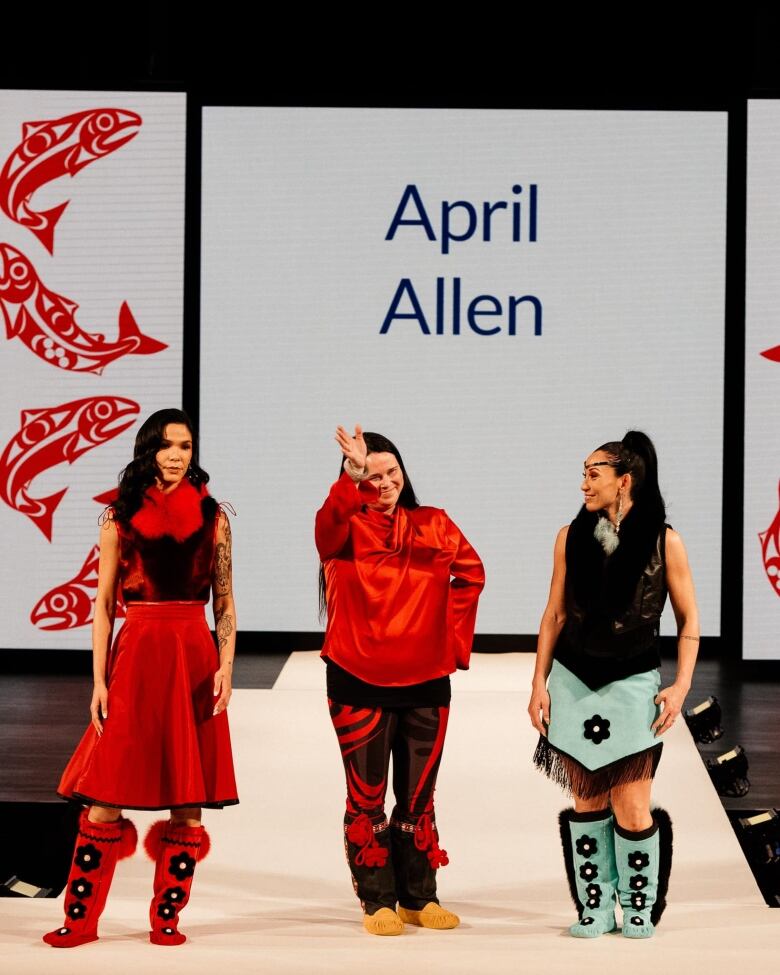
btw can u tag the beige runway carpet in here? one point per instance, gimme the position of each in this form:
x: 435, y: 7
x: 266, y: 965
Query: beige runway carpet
x: 275, y: 896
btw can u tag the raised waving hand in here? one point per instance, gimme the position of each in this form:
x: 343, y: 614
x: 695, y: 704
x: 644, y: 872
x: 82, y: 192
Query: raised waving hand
x: 353, y: 448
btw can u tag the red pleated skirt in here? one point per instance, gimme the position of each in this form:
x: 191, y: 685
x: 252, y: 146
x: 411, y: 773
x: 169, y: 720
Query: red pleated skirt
x: 161, y: 746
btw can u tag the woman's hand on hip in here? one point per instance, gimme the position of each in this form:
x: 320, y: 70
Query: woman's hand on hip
x: 98, y: 707
x: 223, y: 688
x: 539, y: 709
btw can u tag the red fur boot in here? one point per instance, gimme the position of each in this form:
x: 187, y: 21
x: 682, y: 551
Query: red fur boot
x: 98, y: 847
x: 176, y: 850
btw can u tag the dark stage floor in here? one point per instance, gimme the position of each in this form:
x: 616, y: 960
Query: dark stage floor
x: 43, y: 714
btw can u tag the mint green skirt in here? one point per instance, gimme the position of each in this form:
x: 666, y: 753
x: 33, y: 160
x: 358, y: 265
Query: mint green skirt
x: 599, y: 739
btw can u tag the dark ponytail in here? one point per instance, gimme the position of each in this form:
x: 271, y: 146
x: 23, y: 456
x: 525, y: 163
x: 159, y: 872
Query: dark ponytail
x: 635, y: 455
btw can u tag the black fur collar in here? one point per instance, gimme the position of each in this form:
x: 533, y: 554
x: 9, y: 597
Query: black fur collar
x: 605, y: 584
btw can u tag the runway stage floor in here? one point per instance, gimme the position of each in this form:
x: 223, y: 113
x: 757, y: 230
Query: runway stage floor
x: 274, y: 894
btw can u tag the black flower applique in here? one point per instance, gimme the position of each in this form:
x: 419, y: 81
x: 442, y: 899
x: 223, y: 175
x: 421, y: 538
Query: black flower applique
x: 589, y: 871
x: 638, y: 860
x: 76, y: 910
x: 182, y: 866
x: 638, y: 882
x: 596, y: 729
x: 88, y: 857
x: 594, y: 895
x: 166, y: 911
x: 175, y: 895
x: 80, y: 888
x: 587, y: 920
x: 168, y: 931
x: 636, y: 920
x: 63, y: 931
x: 638, y: 901
x: 587, y: 846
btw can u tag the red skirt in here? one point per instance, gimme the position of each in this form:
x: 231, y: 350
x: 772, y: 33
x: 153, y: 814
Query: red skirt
x: 161, y: 746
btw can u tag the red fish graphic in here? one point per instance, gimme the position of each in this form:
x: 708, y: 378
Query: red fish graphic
x: 72, y: 603
x: 54, y: 148
x: 54, y: 435
x: 107, y: 497
x: 773, y: 354
x: 770, y: 550
x: 46, y: 321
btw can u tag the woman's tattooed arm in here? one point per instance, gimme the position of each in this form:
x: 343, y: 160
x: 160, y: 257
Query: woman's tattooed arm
x: 223, y: 559
x: 222, y: 584
x: 224, y: 625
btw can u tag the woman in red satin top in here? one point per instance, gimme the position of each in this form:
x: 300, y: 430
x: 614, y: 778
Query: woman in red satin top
x: 400, y: 583
x: 159, y: 736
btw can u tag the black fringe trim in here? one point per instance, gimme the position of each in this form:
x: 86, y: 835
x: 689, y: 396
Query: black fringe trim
x: 574, y: 778
x: 564, y: 819
x: 661, y: 816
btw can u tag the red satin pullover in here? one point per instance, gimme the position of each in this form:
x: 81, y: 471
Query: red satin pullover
x: 402, y: 589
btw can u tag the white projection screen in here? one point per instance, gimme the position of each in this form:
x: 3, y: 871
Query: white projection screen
x: 498, y: 292
x: 761, y: 594
x: 91, y: 289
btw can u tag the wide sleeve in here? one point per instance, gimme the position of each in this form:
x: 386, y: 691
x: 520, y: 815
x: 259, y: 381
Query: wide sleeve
x: 331, y: 525
x: 468, y: 581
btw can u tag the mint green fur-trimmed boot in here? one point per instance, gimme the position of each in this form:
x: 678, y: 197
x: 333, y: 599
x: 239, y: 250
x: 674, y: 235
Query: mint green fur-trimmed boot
x: 589, y: 856
x: 644, y: 861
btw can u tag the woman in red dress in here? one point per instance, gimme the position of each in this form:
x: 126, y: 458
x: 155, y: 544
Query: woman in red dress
x: 159, y: 736
x: 400, y: 584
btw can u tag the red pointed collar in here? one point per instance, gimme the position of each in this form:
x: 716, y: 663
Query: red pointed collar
x: 177, y: 513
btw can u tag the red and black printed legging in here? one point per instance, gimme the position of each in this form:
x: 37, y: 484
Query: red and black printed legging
x: 368, y: 736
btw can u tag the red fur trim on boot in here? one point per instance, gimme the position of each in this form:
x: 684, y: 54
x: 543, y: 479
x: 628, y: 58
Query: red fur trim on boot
x: 129, y: 841
x: 205, y: 845
x: 153, y: 838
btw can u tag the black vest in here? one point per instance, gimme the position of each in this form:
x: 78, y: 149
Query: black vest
x: 600, y: 649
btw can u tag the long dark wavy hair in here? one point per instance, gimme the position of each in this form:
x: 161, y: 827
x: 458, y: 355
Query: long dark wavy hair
x: 141, y: 473
x: 376, y: 443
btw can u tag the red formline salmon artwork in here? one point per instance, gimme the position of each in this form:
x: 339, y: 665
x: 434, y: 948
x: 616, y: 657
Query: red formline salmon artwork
x: 54, y: 148
x: 72, y: 603
x: 107, y: 497
x: 46, y: 322
x: 770, y: 539
x: 770, y: 551
x: 54, y: 435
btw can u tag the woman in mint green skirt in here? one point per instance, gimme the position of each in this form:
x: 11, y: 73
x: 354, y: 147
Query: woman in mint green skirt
x: 596, y: 698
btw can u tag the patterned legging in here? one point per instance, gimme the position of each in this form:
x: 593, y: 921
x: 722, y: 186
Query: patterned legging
x: 369, y: 736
